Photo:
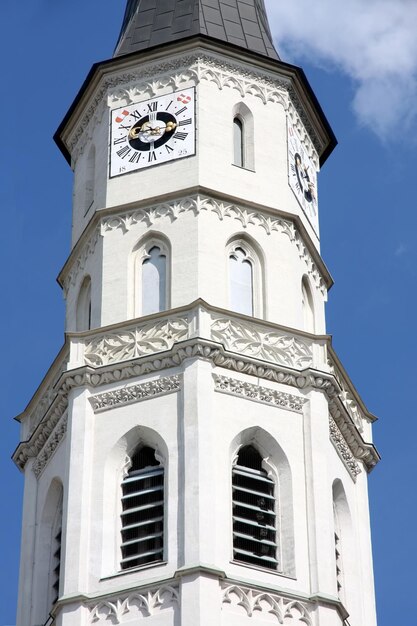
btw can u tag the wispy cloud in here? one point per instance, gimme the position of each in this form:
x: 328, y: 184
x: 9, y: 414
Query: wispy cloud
x: 373, y: 42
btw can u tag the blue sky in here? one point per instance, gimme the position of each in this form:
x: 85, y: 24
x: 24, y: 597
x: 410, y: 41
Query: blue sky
x: 362, y: 66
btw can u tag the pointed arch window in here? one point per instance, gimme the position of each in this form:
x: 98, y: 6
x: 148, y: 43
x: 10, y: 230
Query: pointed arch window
x: 254, y: 511
x: 245, y: 278
x: 142, y: 511
x: 308, y: 306
x: 90, y: 179
x: 241, y: 281
x: 238, y: 143
x: 152, y: 276
x: 243, y: 137
x: 83, y: 312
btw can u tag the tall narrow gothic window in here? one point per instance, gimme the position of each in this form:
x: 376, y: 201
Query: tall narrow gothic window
x: 154, y: 281
x: 90, y: 179
x: 254, y: 514
x: 238, y: 142
x: 308, y: 307
x: 56, y: 553
x: 83, y: 313
x: 241, y: 281
x: 143, y: 511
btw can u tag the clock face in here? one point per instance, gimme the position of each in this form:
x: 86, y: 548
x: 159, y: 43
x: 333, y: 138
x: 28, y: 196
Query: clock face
x: 152, y: 132
x: 302, y: 176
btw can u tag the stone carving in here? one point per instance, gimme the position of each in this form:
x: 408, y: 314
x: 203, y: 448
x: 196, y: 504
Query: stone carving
x: 78, y: 266
x: 187, y: 71
x: 140, y: 341
x: 135, y: 393
x: 51, y: 445
x: 134, y: 606
x: 265, y: 395
x: 348, y: 398
x: 196, y: 204
x: 343, y: 449
x: 256, y: 343
x: 285, y: 610
x: 360, y: 450
x: 196, y: 348
x: 223, y: 210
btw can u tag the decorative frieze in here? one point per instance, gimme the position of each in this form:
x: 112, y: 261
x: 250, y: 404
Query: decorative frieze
x: 270, y: 606
x: 116, y: 372
x: 346, y: 396
x: 343, y: 449
x: 223, y: 210
x: 134, y: 606
x: 135, y: 393
x: 139, y: 341
x: 248, y: 339
x: 51, y: 445
x: 256, y: 393
x: 156, y: 78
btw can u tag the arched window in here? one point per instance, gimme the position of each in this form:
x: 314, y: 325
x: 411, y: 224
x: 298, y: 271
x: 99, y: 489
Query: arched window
x: 142, y: 510
x: 345, y: 550
x: 90, y: 180
x: 337, y: 550
x: 83, y: 312
x: 245, y: 278
x: 241, y: 281
x: 154, y: 281
x: 243, y: 137
x: 151, y: 275
x: 308, y: 306
x: 254, y: 511
x: 238, y: 143
x: 56, y: 553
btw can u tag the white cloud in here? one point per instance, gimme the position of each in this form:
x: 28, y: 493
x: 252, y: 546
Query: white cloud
x: 374, y: 42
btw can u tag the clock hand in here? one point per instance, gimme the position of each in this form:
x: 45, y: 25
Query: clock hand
x: 135, y: 132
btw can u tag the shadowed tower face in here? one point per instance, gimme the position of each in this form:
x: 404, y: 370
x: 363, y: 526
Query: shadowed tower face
x: 149, y: 23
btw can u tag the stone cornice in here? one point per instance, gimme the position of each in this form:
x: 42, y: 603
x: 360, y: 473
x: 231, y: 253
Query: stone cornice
x: 190, y: 346
x: 195, y: 200
x: 189, y: 56
x: 258, y: 393
x: 132, y: 394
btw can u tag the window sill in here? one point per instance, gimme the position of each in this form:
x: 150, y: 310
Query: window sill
x: 264, y: 570
x: 246, y: 169
x: 134, y: 570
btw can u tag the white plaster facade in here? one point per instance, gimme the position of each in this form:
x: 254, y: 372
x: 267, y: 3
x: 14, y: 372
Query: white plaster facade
x: 198, y: 381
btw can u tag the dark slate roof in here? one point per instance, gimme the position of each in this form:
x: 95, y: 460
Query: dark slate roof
x: 150, y: 23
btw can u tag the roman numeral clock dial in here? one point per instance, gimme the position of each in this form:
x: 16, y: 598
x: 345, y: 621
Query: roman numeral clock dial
x: 302, y: 176
x: 152, y: 132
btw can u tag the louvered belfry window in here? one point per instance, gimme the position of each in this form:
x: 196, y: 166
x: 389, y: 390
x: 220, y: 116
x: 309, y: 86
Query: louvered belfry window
x: 254, y: 515
x: 143, y: 511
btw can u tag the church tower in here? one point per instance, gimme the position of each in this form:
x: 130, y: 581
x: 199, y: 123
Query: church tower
x: 196, y: 455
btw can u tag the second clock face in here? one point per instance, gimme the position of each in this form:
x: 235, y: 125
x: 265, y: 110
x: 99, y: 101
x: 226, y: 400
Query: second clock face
x: 151, y: 132
x: 302, y: 176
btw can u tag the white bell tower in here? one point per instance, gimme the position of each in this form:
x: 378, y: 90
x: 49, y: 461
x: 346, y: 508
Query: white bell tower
x: 196, y: 455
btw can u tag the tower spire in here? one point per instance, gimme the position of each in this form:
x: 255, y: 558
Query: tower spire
x: 149, y: 23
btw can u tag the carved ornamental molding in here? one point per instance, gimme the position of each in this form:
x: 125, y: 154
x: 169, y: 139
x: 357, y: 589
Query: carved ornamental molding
x: 143, y: 340
x: 51, y: 445
x: 135, y: 393
x: 343, y: 450
x: 190, y: 349
x: 134, y: 606
x: 251, y: 340
x: 223, y: 210
x: 273, y: 607
x: 154, y: 78
x: 256, y: 393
